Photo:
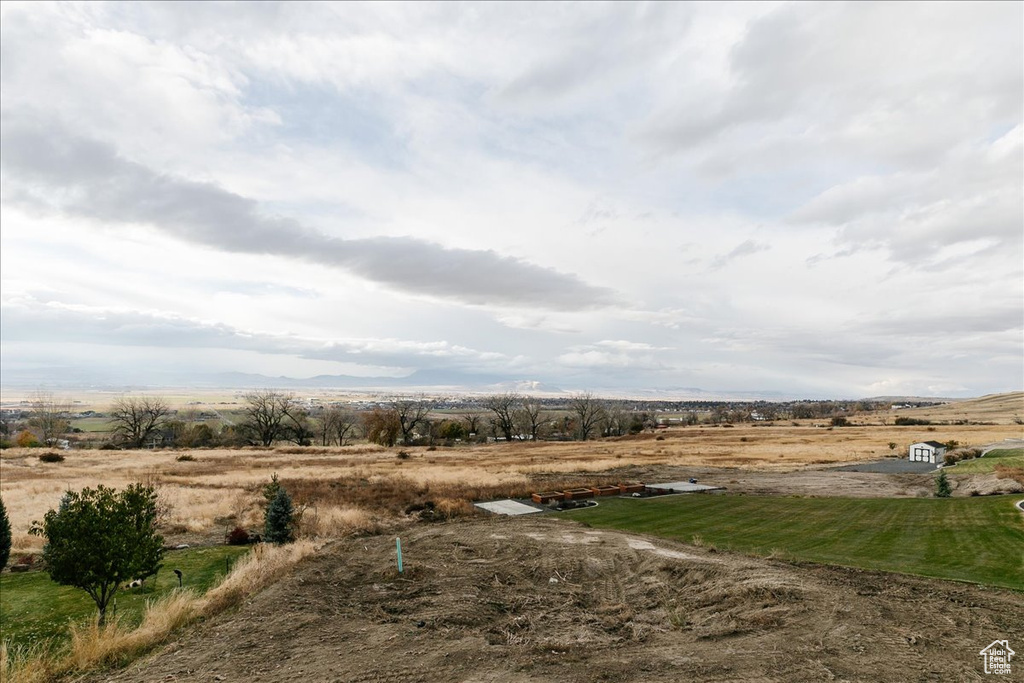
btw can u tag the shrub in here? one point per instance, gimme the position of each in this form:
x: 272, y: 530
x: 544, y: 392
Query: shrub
x: 402, y: 455
x: 27, y: 439
x: 5, y: 536
x: 278, y: 525
x: 51, y: 457
x: 840, y: 421
x: 186, y: 458
x: 909, y: 421
x: 109, y: 447
x: 238, y: 536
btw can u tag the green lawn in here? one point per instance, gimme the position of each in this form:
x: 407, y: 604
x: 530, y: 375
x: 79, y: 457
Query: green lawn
x: 34, y: 608
x: 972, y: 539
x: 1011, y: 457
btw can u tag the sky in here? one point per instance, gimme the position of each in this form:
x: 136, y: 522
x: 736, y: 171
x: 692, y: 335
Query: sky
x: 798, y: 200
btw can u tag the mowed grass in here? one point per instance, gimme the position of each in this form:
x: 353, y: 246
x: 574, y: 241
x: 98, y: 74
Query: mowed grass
x: 33, y: 608
x: 1008, y: 457
x: 970, y: 539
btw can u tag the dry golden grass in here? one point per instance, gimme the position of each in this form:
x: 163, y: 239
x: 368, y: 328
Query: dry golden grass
x: 256, y: 570
x: 999, y: 408
x: 220, y: 487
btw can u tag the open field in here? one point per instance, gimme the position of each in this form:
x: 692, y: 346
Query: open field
x: 34, y: 608
x: 968, y: 539
x: 531, y: 600
x: 484, y: 586
x: 217, y: 489
x: 1000, y: 408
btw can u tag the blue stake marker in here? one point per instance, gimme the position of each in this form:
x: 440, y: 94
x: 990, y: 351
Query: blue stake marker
x: 398, y: 549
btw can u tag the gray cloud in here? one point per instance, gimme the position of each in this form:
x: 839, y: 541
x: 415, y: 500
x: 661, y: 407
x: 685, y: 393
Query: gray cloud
x: 87, y: 178
x: 39, y: 322
x: 745, y: 248
x: 805, y: 76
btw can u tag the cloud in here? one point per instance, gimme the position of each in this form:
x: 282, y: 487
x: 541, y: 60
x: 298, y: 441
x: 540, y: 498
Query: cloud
x: 86, y: 178
x: 972, y: 195
x: 616, y: 354
x: 41, y: 322
x: 745, y: 248
x: 805, y: 76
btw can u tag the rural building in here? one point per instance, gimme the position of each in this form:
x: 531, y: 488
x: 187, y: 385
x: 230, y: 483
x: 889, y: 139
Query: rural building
x: 927, y: 451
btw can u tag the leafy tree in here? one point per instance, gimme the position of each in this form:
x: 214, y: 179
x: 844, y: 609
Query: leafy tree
x: 99, y: 539
x: 942, y: 487
x: 27, y: 439
x: 451, y: 430
x: 5, y: 536
x: 136, y: 418
x: 382, y: 426
x: 278, y: 525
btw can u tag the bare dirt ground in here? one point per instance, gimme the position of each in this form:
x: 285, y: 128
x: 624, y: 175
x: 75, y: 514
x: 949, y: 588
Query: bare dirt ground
x: 514, y: 601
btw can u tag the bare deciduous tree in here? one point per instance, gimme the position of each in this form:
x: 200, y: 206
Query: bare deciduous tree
x: 135, y: 419
x: 472, y: 421
x: 530, y: 416
x: 589, y: 411
x: 411, y: 412
x: 266, y: 412
x: 615, y: 421
x: 49, y: 417
x: 504, y: 407
x: 336, y: 426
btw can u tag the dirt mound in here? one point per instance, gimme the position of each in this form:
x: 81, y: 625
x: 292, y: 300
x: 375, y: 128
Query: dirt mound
x: 987, y: 485
x: 512, y: 601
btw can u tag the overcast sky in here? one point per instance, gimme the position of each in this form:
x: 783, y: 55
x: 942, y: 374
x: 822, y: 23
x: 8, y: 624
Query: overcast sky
x: 820, y: 200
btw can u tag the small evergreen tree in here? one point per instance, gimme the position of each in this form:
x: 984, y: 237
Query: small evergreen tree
x: 942, y: 487
x: 270, y: 491
x: 5, y: 536
x: 278, y: 525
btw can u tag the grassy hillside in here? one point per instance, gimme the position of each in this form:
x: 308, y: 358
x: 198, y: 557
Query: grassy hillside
x: 1008, y: 457
x: 998, y: 408
x: 34, y: 608
x: 971, y: 539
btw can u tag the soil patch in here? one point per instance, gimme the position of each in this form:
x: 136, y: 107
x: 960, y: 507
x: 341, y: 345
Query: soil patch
x: 527, y: 599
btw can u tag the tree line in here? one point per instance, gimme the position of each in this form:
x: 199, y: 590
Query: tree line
x: 270, y: 417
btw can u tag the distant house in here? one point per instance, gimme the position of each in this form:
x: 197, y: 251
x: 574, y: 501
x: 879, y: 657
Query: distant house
x: 927, y: 451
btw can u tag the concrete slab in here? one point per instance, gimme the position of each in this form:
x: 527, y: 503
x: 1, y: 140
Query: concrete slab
x: 683, y: 487
x: 507, y: 507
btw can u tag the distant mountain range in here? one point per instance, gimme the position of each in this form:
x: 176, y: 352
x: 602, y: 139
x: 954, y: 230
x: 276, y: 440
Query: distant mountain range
x: 427, y: 381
